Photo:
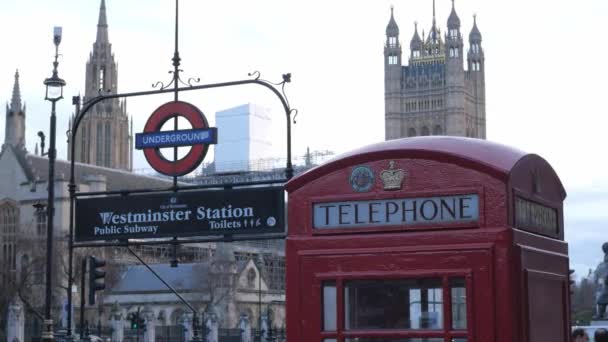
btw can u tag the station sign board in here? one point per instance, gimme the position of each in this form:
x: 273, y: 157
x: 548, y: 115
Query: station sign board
x: 174, y: 214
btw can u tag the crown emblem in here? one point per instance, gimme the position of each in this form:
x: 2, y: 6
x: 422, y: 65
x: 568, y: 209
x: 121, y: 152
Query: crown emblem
x: 392, y: 178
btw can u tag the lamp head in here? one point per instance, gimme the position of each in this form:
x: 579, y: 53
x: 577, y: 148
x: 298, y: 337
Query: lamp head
x: 57, y: 35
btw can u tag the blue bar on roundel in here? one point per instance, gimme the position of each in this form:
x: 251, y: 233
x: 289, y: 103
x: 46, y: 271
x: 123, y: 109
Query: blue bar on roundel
x: 185, y: 137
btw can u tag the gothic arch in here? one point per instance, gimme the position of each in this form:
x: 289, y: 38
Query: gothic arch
x: 425, y: 131
x: 162, y: 317
x: 176, y: 316
x: 437, y: 130
x: 24, y: 266
x: 251, y: 278
x: 411, y: 132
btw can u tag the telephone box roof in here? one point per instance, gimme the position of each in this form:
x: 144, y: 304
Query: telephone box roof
x: 485, y: 156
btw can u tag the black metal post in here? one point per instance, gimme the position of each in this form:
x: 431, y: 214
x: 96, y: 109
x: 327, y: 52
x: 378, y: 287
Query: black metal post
x: 48, y: 321
x: 82, y: 297
x: 54, y: 92
x: 71, y: 189
x: 259, y: 264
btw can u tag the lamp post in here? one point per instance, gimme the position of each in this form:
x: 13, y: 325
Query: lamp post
x: 54, y: 92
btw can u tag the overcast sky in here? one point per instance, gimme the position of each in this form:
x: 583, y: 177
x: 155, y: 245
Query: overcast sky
x: 545, y: 73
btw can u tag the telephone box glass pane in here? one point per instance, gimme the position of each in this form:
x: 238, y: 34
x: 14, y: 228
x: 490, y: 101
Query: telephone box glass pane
x: 394, y: 339
x: 459, y: 339
x: 393, y: 304
x: 329, y: 306
x: 459, y: 303
x: 330, y: 340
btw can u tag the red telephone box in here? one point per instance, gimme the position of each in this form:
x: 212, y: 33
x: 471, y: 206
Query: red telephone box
x: 425, y: 240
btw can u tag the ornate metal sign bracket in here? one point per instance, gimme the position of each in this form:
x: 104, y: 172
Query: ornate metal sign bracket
x: 176, y: 85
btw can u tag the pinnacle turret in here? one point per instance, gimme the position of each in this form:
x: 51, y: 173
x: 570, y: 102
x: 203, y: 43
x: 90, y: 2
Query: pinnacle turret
x: 475, y: 35
x: 392, y: 29
x: 16, y: 99
x: 15, y: 118
x: 416, y: 42
x: 453, y: 20
x: 102, y: 24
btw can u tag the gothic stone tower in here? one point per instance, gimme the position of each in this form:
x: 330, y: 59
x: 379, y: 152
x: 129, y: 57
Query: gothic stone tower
x: 15, y: 118
x: 104, y: 137
x: 433, y: 94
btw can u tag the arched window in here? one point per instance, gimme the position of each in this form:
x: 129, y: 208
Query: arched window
x: 9, y: 218
x: 108, y: 145
x: 177, y: 316
x: 425, y: 131
x: 83, y: 143
x: 99, y: 148
x: 251, y: 275
x: 392, y: 42
x: 24, y: 268
x: 102, y: 74
x: 411, y: 132
x: 41, y: 221
x: 437, y: 130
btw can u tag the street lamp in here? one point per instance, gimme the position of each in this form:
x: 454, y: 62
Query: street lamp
x: 54, y: 92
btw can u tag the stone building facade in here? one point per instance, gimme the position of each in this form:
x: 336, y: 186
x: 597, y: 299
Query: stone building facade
x: 105, y: 135
x: 433, y: 94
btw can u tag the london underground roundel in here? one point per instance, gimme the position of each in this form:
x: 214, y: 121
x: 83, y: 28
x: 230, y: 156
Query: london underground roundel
x: 153, y: 139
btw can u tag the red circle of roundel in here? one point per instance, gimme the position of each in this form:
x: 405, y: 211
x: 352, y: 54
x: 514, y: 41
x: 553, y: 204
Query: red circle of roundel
x: 197, y: 153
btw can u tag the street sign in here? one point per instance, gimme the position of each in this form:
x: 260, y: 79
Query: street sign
x: 185, y: 137
x: 188, y: 213
x: 199, y: 137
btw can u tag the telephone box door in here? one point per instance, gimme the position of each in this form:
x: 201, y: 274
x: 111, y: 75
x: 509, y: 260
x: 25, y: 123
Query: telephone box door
x: 397, y: 296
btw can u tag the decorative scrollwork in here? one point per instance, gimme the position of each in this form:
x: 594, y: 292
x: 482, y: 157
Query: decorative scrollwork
x: 286, y: 79
x: 157, y: 84
x: 193, y: 80
x: 176, y: 79
x: 255, y: 74
x: 295, y: 112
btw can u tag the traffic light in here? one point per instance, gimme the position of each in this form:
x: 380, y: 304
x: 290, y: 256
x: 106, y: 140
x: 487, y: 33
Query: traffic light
x: 134, y: 318
x: 96, y: 272
x: 137, y: 320
x: 142, y: 323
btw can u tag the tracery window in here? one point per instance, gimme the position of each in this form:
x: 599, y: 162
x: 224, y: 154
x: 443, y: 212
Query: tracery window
x: 392, y: 41
x: 251, y: 275
x: 108, y: 144
x: 99, y: 147
x: 9, y: 218
x: 102, y: 73
x: 41, y: 222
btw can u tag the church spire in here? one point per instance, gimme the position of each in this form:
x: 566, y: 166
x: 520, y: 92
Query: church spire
x: 16, y: 99
x: 102, y: 24
x: 15, y: 118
